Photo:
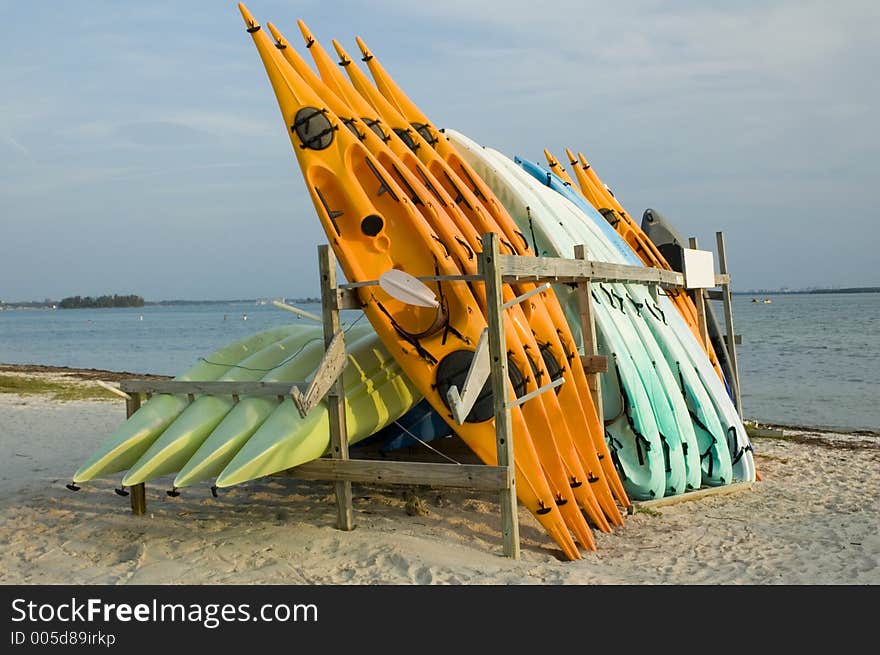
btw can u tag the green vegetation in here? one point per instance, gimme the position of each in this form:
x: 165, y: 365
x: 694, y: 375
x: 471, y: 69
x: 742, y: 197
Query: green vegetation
x: 58, y: 390
x: 647, y: 510
x: 80, y: 302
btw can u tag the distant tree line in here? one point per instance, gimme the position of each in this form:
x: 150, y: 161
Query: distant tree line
x: 81, y: 302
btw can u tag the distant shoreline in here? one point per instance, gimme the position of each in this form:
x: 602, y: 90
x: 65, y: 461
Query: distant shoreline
x: 51, y: 304
x: 307, y: 301
x: 767, y: 292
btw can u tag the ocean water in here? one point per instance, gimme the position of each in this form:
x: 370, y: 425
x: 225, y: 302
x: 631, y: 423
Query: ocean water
x: 804, y: 360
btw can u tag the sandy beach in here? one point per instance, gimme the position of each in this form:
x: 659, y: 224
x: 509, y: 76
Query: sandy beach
x: 812, y: 519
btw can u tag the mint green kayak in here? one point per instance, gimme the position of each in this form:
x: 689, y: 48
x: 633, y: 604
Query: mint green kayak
x: 377, y: 393
x: 688, y: 369
x: 125, y: 445
x: 250, y: 413
x: 632, y: 397
x: 180, y: 440
x: 659, y: 343
x: 677, y: 436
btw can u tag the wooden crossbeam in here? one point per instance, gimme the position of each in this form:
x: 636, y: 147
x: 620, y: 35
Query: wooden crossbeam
x: 209, y: 388
x: 556, y: 269
x: 693, y: 495
x: 473, y: 476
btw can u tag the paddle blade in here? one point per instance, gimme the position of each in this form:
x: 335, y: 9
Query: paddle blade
x: 407, y: 289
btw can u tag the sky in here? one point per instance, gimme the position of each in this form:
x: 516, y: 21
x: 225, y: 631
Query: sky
x: 142, y: 150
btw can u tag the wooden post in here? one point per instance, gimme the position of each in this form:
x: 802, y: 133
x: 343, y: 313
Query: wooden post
x: 727, y: 298
x: 138, y: 492
x: 336, y: 394
x: 699, y: 297
x: 588, y: 330
x: 499, y: 378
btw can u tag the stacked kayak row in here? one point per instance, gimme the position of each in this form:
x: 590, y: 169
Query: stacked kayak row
x: 393, y: 192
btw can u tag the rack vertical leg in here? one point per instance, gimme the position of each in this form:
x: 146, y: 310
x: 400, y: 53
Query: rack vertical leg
x: 336, y: 394
x: 588, y: 330
x: 138, y: 492
x: 727, y: 297
x: 499, y: 377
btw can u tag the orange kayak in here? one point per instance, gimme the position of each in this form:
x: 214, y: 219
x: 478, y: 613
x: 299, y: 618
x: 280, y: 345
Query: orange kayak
x: 475, y: 193
x: 373, y: 226
x: 563, y: 470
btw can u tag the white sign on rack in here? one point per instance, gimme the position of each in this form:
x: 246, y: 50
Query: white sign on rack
x: 699, y: 268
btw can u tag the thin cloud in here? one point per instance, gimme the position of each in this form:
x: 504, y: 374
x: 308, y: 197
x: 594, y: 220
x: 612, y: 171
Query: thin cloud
x: 19, y: 147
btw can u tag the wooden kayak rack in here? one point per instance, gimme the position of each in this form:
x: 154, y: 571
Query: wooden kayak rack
x: 494, y: 270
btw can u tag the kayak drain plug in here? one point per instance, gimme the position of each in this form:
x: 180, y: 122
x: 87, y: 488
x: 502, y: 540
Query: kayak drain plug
x: 72, y: 486
x: 173, y: 492
x: 120, y: 491
x: 214, y: 490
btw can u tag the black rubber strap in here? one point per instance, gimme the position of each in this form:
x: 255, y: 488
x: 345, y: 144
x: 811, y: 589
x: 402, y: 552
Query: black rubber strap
x: 665, y: 444
x: 615, y: 458
x: 412, y: 339
x: 711, y: 459
x: 627, y: 410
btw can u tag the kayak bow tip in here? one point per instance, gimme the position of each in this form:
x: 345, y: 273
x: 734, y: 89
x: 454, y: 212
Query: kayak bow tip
x: 365, y: 51
x: 280, y: 41
x: 344, y: 59
x: 306, y: 33
x: 249, y: 20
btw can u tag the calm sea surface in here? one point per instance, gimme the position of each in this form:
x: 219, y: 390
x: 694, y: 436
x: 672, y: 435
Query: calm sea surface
x: 805, y: 359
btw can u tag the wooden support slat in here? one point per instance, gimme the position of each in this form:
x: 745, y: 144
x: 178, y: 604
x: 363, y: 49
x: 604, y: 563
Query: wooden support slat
x: 489, y: 267
x: 138, y: 492
x: 555, y: 269
x: 346, y: 299
x: 588, y: 330
x: 336, y: 393
x: 712, y: 294
x: 296, y: 310
x: 115, y: 390
x: 461, y: 401
x: 537, y: 392
x: 329, y: 370
x: 594, y: 364
x: 700, y: 303
x: 728, y: 321
x: 541, y: 288
x: 694, y: 495
x: 472, y: 476
x: 209, y: 388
